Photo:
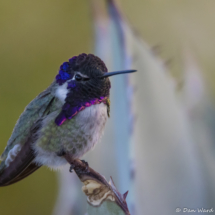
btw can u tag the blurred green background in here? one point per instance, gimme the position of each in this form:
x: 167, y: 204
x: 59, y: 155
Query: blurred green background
x: 37, y: 36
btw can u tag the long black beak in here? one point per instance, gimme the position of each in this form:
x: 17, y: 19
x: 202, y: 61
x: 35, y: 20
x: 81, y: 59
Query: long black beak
x: 108, y: 74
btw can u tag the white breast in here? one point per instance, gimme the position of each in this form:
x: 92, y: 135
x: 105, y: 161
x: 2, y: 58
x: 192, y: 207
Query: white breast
x: 92, y: 122
x: 61, y: 92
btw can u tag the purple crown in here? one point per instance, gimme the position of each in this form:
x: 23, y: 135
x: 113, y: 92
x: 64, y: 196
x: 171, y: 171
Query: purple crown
x: 63, y: 74
x: 82, y: 62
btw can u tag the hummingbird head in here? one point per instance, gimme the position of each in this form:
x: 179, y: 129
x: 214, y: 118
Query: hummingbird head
x: 86, y: 80
x: 82, y: 75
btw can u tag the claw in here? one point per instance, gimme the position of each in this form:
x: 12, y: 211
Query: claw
x: 85, y: 162
x: 77, y: 168
x: 87, y: 165
x: 71, y: 167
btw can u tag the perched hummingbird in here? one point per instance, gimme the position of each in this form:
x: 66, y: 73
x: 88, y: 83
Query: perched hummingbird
x: 67, y: 118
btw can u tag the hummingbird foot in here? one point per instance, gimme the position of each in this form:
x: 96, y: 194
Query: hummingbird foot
x: 86, y: 164
x: 79, y: 166
x: 72, y: 166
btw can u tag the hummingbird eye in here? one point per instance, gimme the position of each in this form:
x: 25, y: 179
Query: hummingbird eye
x: 78, y: 77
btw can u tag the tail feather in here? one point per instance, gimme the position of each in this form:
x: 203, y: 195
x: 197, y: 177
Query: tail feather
x: 29, y: 170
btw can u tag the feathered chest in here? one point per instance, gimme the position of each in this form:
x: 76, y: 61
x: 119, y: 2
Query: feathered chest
x: 77, y: 135
x: 90, y: 125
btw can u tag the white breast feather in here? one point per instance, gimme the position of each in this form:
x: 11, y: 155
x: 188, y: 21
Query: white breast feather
x: 61, y: 92
x: 92, y: 122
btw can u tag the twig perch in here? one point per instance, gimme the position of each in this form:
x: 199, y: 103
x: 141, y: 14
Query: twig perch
x: 96, y: 187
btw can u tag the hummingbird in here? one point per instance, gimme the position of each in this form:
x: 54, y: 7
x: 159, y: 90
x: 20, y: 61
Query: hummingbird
x: 68, y: 118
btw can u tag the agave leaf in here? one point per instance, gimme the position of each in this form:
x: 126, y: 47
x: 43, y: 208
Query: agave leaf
x: 165, y: 158
x: 111, y: 48
x: 98, y: 191
x: 201, y: 114
x: 107, y: 208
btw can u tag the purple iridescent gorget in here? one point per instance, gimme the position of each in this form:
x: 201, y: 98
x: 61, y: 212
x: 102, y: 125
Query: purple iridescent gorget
x: 82, y: 94
x: 60, y: 119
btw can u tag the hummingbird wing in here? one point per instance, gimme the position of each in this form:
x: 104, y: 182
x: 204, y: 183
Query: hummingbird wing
x: 20, y: 167
x: 24, y: 134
